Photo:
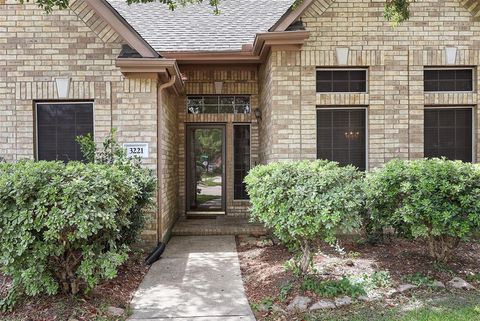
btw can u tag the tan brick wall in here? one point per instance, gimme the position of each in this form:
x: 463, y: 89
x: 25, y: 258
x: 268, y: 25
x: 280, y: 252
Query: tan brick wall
x: 169, y: 164
x: 35, y: 48
x: 395, y: 59
x: 134, y: 105
x: 265, y: 97
x: 238, y: 80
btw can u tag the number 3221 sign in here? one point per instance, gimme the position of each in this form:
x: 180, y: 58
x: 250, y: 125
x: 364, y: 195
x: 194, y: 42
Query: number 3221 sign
x: 136, y: 149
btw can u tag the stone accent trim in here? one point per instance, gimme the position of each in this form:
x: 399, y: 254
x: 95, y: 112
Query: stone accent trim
x: 42, y: 90
x: 342, y: 99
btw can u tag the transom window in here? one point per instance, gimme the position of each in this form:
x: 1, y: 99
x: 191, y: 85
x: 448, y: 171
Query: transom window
x: 218, y: 104
x: 448, y: 133
x: 344, y: 80
x: 58, y: 125
x: 341, y: 136
x: 448, y: 79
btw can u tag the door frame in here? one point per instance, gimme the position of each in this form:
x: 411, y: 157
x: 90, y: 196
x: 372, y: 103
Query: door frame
x: 188, y: 172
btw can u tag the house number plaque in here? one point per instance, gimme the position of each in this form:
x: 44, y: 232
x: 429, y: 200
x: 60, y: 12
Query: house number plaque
x: 136, y: 149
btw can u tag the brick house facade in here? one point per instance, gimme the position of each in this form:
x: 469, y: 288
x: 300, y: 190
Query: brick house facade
x: 328, y: 79
x: 395, y: 58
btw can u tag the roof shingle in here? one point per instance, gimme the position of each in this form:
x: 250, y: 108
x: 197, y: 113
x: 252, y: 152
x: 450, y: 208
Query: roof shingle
x: 197, y: 28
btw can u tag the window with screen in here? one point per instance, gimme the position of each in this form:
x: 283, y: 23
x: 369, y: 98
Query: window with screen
x: 58, y: 125
x: 241, y: 160
x: 341, y: 136
x: 218, y: 104
x: 354, y: 80
x: 448, y: 79
x: 448, y: 133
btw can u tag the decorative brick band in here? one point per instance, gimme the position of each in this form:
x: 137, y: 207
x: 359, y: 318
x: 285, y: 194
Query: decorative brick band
x: 47, y: 90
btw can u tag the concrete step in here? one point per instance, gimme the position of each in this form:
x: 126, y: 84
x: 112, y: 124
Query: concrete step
x: 217, y: 226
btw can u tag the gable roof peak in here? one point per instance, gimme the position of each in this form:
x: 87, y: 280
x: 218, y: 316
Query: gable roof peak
x: 194, y: 28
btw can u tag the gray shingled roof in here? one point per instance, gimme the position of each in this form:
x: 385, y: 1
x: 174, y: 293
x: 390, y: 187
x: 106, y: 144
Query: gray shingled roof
x: 196, y: 28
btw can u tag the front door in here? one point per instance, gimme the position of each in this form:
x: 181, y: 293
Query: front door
x: 205, y: 170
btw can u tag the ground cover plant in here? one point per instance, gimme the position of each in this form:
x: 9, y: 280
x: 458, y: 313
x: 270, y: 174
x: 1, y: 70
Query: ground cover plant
x: 379, y: 270
x: 332, y: 288
x: 67, y: 227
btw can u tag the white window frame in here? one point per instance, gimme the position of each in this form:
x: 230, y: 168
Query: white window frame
x: 66, y: 102
x: 367, y: 82
x: 474, y: 123
x: 367, y: 136
x: 233, y: 151
x: 474, y: 76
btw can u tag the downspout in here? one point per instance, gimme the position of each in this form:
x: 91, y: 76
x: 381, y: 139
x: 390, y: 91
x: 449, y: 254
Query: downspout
x: 160, y: 89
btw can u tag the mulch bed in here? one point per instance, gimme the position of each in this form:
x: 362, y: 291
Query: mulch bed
x: 401, y: 258
x: 117, y: 293
x: 264, y: 273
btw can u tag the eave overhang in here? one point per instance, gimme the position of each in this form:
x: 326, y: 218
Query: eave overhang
x: 256, y: 54
x: 160, y: 68
x: 473, y: 6
x: 291, y: 16
x: 122, y: 27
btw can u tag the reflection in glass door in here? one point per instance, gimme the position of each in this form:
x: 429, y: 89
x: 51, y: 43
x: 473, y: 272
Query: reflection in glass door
x: 205, y: 170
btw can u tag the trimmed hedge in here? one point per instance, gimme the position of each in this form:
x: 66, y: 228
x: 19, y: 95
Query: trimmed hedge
x: 66, y: 227
x: 435, y: 200
x: 303, y: 201
x: 432, y: 199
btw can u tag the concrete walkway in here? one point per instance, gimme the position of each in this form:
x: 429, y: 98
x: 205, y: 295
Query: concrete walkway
x: 198, y: 279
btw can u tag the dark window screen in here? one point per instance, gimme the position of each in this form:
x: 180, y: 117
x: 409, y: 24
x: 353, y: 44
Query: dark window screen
x: 341, y: 80
x: 241, y: 145
x: 448, y: 133
x: 341, y: 136
x: 448, y: 79
x: 57, y: 127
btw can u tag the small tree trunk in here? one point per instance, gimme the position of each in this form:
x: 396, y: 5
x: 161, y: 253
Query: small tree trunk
x: 66, y: 273
x: 373, y: 233
x: 75, y: 288
x: 441, y: 247
x: 306, y: 260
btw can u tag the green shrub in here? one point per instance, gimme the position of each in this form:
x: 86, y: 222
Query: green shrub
x: 285, y: 289
x: 380, y: 279
x: 475, y: 277
x: 303, y: 201
x: 67, y: 227
x: 113, y: 153
x: 419, y: 279
x: 266, y: 304
x: 333, y: 288
x: 434, y: 199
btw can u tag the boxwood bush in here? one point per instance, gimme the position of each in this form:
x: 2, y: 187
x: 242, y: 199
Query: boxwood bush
x: 111, y: 152
x: 303, y: 201
x: 433, y: 199
x: 66, y: 227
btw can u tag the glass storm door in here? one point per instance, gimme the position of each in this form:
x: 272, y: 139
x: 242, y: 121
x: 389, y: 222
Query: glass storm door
x: 205, y: 170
